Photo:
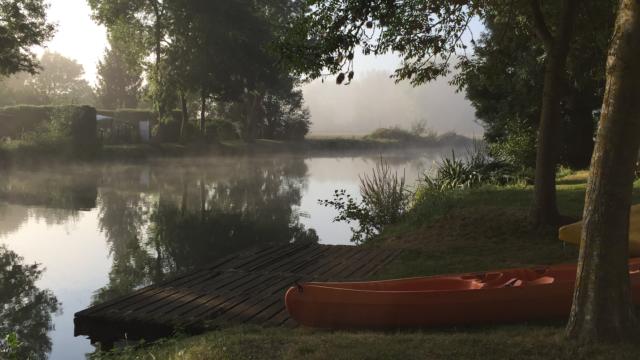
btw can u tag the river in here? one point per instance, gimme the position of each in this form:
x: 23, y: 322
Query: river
x: 103, y: 230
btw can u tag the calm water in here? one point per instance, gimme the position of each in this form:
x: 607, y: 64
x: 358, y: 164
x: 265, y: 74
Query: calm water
x: 102, y: 231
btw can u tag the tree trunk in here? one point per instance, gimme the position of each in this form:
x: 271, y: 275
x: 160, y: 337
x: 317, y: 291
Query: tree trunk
x: 157, y: 39
x: 602, y: 305
x: 255, y: 112
x: 577, y: 140
x: 185, y: 115
x: 545, y: 210
x: 203, y: 109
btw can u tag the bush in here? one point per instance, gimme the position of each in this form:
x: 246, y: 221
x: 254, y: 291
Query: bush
x: 384, y: 201
x: 224, y: 129
x: 60, y: 129
x: 296, y: 129
x: 393, y: 133
x: 17, y: 121
x: 518, y: 148
x: 478, y: 168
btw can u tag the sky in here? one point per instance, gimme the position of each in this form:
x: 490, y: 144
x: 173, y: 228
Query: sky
x: 333, y: 109
x: 77, y: 37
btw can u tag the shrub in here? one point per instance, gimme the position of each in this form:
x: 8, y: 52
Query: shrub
x: 224, y: 129
x: 384, y: 201
x: 478, y: 168
x: 53, y: 128
x: 518, y: 148
x: 393, y: 133
x: 296, y: 129
x: 16, y: 121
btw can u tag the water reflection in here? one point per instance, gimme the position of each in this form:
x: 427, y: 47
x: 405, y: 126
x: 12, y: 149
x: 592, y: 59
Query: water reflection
x: 104, y: 230
x: 199, y: 215
x: 25, y: 310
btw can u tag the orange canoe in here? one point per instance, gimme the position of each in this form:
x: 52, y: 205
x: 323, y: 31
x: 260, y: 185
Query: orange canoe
x: 499, y: 296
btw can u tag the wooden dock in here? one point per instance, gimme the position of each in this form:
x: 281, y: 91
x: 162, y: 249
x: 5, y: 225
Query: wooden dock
x: 244, y: 288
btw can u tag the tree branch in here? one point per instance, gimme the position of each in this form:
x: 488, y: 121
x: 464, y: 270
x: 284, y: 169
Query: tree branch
x: 540, y: 25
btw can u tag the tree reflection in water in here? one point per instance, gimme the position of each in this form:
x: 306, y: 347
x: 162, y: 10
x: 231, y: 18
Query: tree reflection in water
x: 25, y: 310
x: 187, y: 217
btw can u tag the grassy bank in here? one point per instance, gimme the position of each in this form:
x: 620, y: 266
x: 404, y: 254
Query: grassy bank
x: 463, y: 231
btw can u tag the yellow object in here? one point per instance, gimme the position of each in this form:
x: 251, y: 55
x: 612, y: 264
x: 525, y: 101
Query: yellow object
x: 571, y: 233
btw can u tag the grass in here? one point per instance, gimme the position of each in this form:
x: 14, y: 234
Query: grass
x: 505, y: 342
x: 464, y: 231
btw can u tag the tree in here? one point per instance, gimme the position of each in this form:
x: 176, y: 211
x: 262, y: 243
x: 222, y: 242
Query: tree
x: 119, y: 77
x: 23, y: 24
x: 602, y: 307
x: 427, y: 34
x: 59, y: 82
x: 556, y: 46
x: 504, y: 80
x: 149, y: 20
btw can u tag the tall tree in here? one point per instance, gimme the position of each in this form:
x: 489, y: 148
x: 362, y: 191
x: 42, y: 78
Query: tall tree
x: 150, y: 20
x: 504, y: 78
x: 23, y: 24
x: 602, y: 306
x: 556, y: 46
x: 119, y: 77
x: 60, y: 81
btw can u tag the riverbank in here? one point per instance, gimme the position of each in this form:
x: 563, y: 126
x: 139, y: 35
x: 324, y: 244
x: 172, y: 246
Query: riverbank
x: 25, y: 153
x: 462, y: 231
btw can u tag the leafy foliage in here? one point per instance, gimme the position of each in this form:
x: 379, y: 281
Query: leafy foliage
x: 23, y: 24
x: 119, y: 77
x: 384, y: 200
x: 462, y: 173
x: 504, y: 80
x: 425, y: 34
x: 59, y: 82
x: 25, y: 309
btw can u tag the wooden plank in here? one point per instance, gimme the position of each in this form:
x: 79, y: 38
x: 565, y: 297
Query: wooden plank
x: 347, y: 263
x: 375, y: 261
x: 246, y: 287
x: 305, y: 262
x: 280, y: 256
x: 180, y: 299
x: 300, y: 257
x: 121, y: 299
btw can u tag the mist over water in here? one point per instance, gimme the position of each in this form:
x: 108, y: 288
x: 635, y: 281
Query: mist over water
x: 373, y: 100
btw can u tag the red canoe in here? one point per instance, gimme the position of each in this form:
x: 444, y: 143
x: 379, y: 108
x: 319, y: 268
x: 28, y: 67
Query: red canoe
x: 498, y: 296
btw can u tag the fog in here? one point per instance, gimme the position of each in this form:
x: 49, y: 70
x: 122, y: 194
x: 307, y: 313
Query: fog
x: 374, y: 100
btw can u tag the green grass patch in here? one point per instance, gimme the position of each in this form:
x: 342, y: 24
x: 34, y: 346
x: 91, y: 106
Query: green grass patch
x: 502, y: 342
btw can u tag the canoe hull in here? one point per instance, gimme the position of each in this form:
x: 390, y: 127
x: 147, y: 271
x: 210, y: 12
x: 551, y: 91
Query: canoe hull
x: 372, y: 305
x: 571, y: 233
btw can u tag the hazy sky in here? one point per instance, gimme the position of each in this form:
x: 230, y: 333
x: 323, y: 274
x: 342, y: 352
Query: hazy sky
x: 77, y: 36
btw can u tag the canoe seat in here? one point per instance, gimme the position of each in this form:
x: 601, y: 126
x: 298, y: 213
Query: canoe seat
x: 543, y: 280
